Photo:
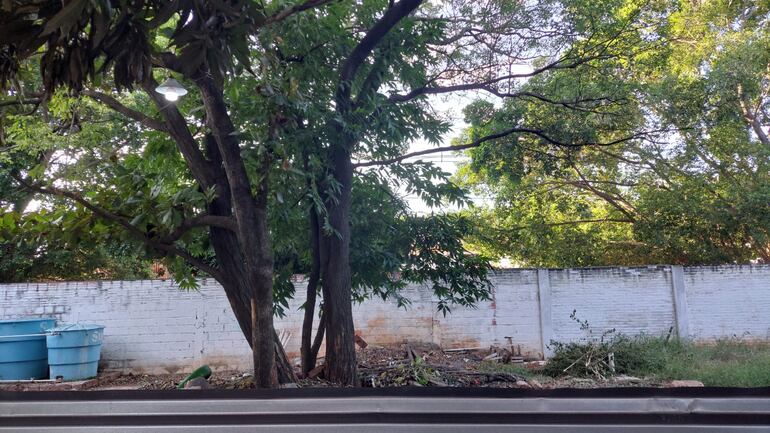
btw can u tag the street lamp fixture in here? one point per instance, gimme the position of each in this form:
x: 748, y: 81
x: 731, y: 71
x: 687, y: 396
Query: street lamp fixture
x: 171, y: 90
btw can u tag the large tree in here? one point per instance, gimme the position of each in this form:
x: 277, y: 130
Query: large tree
x: 413, y: 52
x: 698, y: 194
x: 205, y: 43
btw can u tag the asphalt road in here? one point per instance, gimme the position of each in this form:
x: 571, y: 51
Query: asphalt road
x: 444, y: 410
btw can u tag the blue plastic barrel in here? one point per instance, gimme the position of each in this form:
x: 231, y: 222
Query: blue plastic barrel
x: 23, y: 353
x: 74, y: 350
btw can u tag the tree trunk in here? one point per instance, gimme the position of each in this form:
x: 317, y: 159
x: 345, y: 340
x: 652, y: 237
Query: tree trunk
x: 319, y: 336
x: 283, y: 367
x: 230, y: 260
x: 306, y: 350
x: 240, y: 303
x: 263, y: 342
x: 336, y: 284
x: 253, y: 235
x: 263, y: 332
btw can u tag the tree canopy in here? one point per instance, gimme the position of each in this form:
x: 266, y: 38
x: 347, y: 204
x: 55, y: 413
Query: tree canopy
x: 697, y: 193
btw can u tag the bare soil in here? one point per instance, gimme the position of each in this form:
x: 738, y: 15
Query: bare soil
x: 405, y: 365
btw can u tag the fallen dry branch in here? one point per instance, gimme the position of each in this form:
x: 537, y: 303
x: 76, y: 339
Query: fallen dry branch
x: 491, y: 377
x: 397, y: 374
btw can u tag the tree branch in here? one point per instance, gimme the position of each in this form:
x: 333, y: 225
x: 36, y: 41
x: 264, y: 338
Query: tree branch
x: 224, y: 222
x: 379, y: 30
x: 507, y: 132
x: 612, y: 199
x: 751, y: 118
x: 249, y: 210
x: 565, y: 223
x: 104, y: 213
x: 456, y: 147
x: 176, y: 126
x: 12, y: 102
x: 125, y: 223
x: 372, y: 82
x: 573, y: 182
x: 193, y: 261
x: 485, y: 85
x: 126, y: 111
x: 308, y: 4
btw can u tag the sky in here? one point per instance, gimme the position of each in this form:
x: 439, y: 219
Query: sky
x: 451, y: 106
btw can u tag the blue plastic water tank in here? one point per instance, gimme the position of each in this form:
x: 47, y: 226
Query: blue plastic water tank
x: 74, y: 351
x: 23, y: 353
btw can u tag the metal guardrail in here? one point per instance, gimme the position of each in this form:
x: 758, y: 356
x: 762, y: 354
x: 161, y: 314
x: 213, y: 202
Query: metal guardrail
x: 445, y: 410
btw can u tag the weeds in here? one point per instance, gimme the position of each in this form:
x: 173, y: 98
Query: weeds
x: 496, y: 367
x: 598, y: 356
x: 725, y: 362
x: 416, y: 372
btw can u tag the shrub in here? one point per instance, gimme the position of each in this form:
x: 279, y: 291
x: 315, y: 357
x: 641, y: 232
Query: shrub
x: 727, y: 362
x: 609, y: 354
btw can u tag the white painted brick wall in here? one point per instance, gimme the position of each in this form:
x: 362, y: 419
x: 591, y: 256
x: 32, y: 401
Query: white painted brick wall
x: 728, y: 301
x: 629, y: 300
x: 154, y: 326
x: 512, y: 312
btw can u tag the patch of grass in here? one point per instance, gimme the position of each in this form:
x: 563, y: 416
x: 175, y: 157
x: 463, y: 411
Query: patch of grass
x: 496, y: 367
x: 728, y: 362
x: 515, y: 369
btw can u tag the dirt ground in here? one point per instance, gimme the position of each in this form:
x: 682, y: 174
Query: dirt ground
x: 406, y: 365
